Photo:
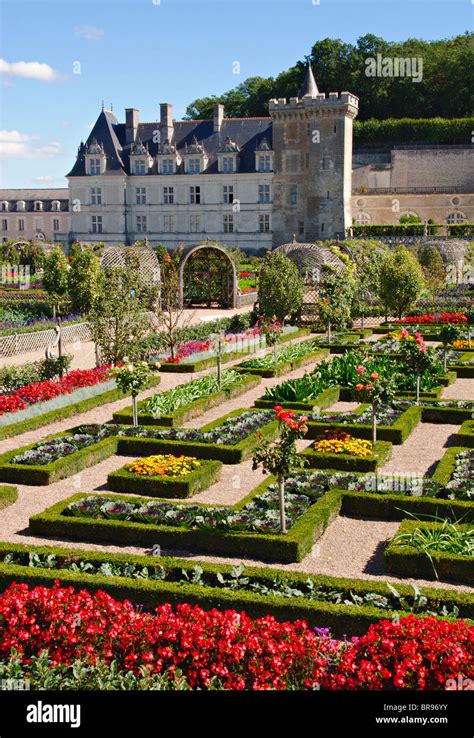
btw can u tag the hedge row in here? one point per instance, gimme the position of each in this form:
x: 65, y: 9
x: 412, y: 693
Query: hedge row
x: 201, y: 364
x: 412, y: 130
x: 465, y: 435
x: 200, y: 478
x: 287, y: 366
x: 450, y: 415
x: 395, y: 433
x: 67, y: 412
x: 410, y: 230
x: 8, y: 495
x: 341, y: 618
x: 445, y: 466
x: 186, y: 412
x: 405, y: 560
x: 396, y: 506
x: 273, y: 547
x: 325, y: 399
x: 382, y: 452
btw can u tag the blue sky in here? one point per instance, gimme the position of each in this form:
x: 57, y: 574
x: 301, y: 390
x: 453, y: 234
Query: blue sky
x: 138, y: 53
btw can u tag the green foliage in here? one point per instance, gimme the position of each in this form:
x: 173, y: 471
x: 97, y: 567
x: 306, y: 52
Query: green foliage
x: 55, y: 277
x: 84, y: 280
x: 412, y: 130
x: 116, y: 319
x: 433, y: 267
x: 401, y: 281
x: 336, y: 293
x: 280, y: 292
x: 132, y: 378
x: 409, y: 219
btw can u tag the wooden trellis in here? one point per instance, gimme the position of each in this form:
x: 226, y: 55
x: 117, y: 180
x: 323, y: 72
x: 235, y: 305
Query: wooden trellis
x: 142, y: 258
x: 310, y: 260
x: 207, y: 277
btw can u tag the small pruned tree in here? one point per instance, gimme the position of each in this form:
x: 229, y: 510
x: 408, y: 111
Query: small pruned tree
x: 171, y: 310
x: 280, y: 291
x: 401, y: 281
x: 434, y: 270
x: 334, y: 303
x: 55, y: 279
x: 117, y: 319
x: 84, y: 280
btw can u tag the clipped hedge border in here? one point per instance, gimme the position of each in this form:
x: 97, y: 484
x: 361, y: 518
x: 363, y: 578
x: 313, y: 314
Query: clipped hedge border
x: 396, y: 506
x: 8, y: 495
x: 346, y: 462
x: 67, y: 412
x: 186, y: 412
x: 349, y: 394
x: 221, y: 452
x: 325, y: 399
x: 201, y: 478
x: 287, y: 366
x: 451, y: 415
x: 465, y: 435
x: 341, y: 618
x: 445, y: 467
x: 272, y: 547
x: 404, y: 560
x: 396, y: 433
x: 201, y: 364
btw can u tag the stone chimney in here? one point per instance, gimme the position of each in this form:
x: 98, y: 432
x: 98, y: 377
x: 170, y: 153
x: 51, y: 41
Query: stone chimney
x: 218, y: 117
x: 166, y: 122
x: 131, y: 124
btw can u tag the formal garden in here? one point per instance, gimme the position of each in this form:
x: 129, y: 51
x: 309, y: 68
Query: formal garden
x: 279, y: 496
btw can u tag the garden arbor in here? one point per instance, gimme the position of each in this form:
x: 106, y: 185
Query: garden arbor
x: 207, y: 276
x: 143, y: 258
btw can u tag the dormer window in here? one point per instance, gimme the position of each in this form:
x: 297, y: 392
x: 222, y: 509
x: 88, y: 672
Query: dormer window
x: 4, y: 206
x: 139, y: 166
x: 195, y: 158
x: 167, y: 158
x: 20, y: 205
x: 167, y: 166
x: 95, y: 158
x: 227, y: 156
x: 38, y: 205
x: 264, y: 156
x: 140, y: 159
x: 56, y: 205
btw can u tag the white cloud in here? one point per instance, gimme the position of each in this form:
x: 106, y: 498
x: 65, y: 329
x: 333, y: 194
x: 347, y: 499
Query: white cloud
x: 30, y: 70
x: 44, y: 178
x: 89, y: 33
x: 14, y: 145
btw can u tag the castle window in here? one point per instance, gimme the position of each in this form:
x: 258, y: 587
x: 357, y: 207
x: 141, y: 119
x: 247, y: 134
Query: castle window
x: 228, y: 194
x: 20, y: 205
x: 228, y: 164
x: 167, y: 166
x: 21, y: 224
x: 168, y: 223
x: 96, y: 195
x: 301, y: 228
x: 362, y: 218
x: 294, y: 195
x: 55, y: 224
x: 38, y: 205
x: 195, y: 195
x: 94, y: 166
x: 56, y: 205
x: 141, y: 223
x: 455, y: 217
x: 195, y: 223
x: 4, y: 224
x: 264, y: 163
x: 97, y: 224
x: 4, y: 206
x: 264, y: 223
x: 140, y: 195
x: 194, y: 166
x: 228, y: 223
x: 264, y: 193
x: 139, y: 166
x: 168, y: 195
x: 322, y: 227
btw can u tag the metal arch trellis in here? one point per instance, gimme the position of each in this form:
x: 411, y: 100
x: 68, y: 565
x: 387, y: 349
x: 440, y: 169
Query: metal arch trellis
x: 142, y: 257
x: 207, y: 276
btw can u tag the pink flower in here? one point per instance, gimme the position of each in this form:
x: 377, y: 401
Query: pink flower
x: 359, y: 386
x: 374, y: 375
x: 368, y: 387
x: 422, y: 349
x: 360, y: 369
x: 404, y: 333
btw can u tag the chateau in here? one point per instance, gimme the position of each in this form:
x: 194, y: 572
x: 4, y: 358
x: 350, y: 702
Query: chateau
x: 248, y: 182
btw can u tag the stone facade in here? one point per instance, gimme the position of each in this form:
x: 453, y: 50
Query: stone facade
x: 41, y: 214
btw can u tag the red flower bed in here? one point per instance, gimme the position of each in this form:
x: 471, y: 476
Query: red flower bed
x: 415, y: 653
x: 41, y: 391
x: 455, y: 318
x: 244, y: 653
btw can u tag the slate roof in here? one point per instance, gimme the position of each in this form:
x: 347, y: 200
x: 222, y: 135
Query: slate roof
x: 247, y: 133
x: 29, y: 196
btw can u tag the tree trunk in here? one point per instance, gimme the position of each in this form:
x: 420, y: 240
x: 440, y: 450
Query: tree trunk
x: 275, y: 353
x: 374, y: 423
x: 469, y: 337
x: 445, y: 359
x: 134, y: 411
x: 329, y: 332
x: 281, y: 502
x: 219, y: 370
x: 418, y: 382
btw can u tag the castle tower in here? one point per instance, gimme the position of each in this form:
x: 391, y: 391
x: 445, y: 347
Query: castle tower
x: 312, y: 140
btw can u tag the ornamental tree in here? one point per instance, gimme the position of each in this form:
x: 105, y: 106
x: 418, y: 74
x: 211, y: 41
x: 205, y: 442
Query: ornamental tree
x: 171, y: 311
x: 401, y: 281
x: 447, y: 335
x: 280, y: 290
x: 335, y: 299
x: 376, y: 389
x: 272, y: 330
x: 116, y: 319
x: 84, y: 280
x: 415, y: 357
x: 280, y: 457
x: 55, y: 278
x: 132, y: 378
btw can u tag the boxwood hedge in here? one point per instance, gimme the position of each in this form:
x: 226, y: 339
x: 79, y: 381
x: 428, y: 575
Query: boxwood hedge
x: 465, y: 435
x: 325, y: 399
x: 395, y: 433
x: 8, y: 495
x: 382, y: 452
x: 200, y: 478
x: 287, y: 366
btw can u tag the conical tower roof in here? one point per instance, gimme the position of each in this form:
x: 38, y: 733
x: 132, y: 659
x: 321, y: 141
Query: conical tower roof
x: 309, y: 88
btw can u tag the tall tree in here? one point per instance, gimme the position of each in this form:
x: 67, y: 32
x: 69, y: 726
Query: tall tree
x: 84, y: 280
x: 401, y: 281
x: 55, y: 278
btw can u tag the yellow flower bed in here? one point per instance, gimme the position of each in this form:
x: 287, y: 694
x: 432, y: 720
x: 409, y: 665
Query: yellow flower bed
x: 461, y: 344
x: 164, y: 465
x: 343, y: 443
